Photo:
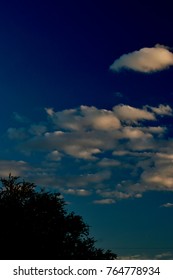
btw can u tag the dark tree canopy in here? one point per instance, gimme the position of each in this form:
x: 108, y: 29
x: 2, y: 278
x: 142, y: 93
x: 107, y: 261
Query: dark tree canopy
x: 35, y: 225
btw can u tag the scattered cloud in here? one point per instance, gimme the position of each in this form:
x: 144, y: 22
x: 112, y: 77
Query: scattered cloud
x: 146, y: 60
x: 115, y: 154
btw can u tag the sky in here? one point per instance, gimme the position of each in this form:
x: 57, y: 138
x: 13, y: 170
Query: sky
x: 86, y: 110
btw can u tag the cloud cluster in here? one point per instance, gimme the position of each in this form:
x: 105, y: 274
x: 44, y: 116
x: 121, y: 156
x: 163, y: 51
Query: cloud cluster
x: 115, y: 154
x: 146, y: 60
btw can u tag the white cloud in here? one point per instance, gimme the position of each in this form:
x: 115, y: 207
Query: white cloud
x: 104, y: 201
x: 160, y: 178
x: 146, y: 60
x: 128, y: 113
x: 165, y: 156
x: 49, y: 111
x: 54, y: 156
x: 167, y: 205
x: 164, y: 255
x: 161, y: 110
x: 133, y: 257
x: 78, y: 192
x: 116, y: 194
x: 84, y: 118
x: 134, y: 133
x: 115, y: 153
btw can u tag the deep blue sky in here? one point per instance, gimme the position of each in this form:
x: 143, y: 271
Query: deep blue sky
x: 114, y: 167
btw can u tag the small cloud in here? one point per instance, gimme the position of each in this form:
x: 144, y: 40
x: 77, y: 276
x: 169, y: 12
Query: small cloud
x: 37, y: 129
x: 78, y: 192
x: 167, y: 205
x: 54, y: 156
x: 118, y: 94
x: 106, y: 162
x: 163, y: 256
x: 146, y: 60
x: 104, y: 201
x: 132, y: 257
x: 20, y: 118
x: 161, y: 110
x: 49, y: 111
x: 16, y: 133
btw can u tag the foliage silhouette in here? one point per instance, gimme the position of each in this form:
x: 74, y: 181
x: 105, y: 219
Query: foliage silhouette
x: 35, y: 225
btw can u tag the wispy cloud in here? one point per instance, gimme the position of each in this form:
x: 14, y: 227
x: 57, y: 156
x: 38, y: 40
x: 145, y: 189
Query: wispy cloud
x: 167, y: 205
x: 104, y: 201
x: 16, y: 168
x: 146, y: 60
x: 164, y: 256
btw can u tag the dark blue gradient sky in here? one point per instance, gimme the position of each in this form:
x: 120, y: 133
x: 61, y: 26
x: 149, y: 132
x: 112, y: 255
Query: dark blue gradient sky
x: 102, y: 138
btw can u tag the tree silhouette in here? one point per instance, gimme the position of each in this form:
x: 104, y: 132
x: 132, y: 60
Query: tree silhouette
x: 35, y: 225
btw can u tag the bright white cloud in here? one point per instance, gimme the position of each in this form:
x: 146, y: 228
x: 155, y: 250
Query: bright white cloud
x: 146, y: 60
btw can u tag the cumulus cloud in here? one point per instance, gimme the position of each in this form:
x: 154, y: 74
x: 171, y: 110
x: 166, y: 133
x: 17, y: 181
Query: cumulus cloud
x: 85, y: 118
x: 129, y: 113
x: 159, y: 177
x: 117, y: 154
x: 146, y: 60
